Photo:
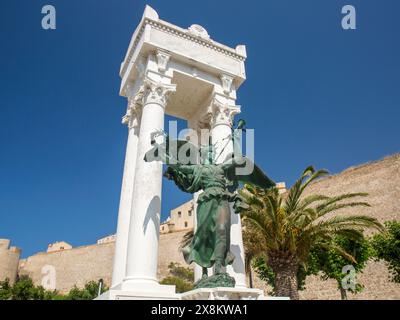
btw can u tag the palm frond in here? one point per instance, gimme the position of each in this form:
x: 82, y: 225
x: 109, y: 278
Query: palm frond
x: 186, y: 240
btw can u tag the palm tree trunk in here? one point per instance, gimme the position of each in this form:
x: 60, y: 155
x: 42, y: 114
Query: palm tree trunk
x: 285, y: 266
x: 286, y: 282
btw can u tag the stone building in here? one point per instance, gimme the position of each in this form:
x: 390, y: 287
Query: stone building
x: 181, y: 218
x: 76, y: 266
x: 58, y: 246
x: 107, y: 239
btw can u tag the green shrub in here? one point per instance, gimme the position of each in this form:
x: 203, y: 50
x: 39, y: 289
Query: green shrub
x: 181, y: 277
x: 386, y: 247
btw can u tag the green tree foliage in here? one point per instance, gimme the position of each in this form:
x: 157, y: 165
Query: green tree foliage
x: 89, y: 292
x: 326, y: 263
x: 179, y: 276
x: 331, y: 263
x: 289, y: 227
x: 387, y: 247
x: 25, y: 289
x: 5, y: 289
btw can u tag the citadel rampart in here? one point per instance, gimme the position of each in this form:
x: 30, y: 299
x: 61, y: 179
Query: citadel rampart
x: 79, y: 265
x: 381, y: 180
x: 75, y: 266
x: 9, y: 259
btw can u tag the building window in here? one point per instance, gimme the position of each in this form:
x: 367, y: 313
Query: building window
x: 61, y: 248
x: 186, y: 224
x: 162, y: 228
x: 190, y: 213
x: 179, y: 214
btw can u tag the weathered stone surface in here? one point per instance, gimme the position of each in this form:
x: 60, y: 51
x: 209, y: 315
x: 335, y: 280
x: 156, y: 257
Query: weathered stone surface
x: 86, y: 263
x: 225, y: 294
x: 9, y: 258
x: 75, y: 266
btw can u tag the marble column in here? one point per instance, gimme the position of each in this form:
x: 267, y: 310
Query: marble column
x: 221, y: 129
x: 132, y: 120
x: 141, y: 264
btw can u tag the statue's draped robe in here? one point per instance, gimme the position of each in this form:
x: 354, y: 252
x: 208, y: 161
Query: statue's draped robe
x: 212, y: 236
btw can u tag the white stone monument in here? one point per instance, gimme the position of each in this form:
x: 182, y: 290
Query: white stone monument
x: 183, y: 73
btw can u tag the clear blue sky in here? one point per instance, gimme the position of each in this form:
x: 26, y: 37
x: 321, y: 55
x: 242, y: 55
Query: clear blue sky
x: 315, y: 94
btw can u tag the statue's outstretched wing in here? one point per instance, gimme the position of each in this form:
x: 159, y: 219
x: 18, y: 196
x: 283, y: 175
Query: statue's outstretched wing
x: 173, y: 151
x: 242, y: 169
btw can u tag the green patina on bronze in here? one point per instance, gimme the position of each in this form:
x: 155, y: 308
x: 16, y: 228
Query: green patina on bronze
x: 210, y: 246
x: 218, y: 280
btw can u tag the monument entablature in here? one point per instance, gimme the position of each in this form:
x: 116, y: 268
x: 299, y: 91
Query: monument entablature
x: 200, y: 67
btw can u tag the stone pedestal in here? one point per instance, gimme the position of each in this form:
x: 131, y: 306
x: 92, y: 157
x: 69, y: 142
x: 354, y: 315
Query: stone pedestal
x: 154, y: 293
x: 223, y: 294
x: 198, y: 294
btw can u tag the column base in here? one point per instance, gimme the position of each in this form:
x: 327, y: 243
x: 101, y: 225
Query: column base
x: 140, y: 291
x: 222, y: 293
x: 166, y: 292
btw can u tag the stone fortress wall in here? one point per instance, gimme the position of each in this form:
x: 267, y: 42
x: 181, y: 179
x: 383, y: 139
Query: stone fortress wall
x: 80, y: 265
x: 77, y: 266
x: 9, y: 260
x: 381, y: 179
x: 74, y: 266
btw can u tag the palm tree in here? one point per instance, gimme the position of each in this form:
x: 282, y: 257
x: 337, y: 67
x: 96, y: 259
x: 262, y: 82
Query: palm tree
x: 290, y: 225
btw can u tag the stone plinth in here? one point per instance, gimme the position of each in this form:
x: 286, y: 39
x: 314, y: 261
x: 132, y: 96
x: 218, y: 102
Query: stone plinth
x: 168, y: 293
x: 222, y: 293
x: 162, y: 292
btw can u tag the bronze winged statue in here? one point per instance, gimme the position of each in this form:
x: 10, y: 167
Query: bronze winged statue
x: 210, y: 246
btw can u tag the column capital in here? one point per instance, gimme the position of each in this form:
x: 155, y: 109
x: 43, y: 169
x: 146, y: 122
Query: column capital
x: 134, y: 108
x: 156, y: 91
x: 221, y: 113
